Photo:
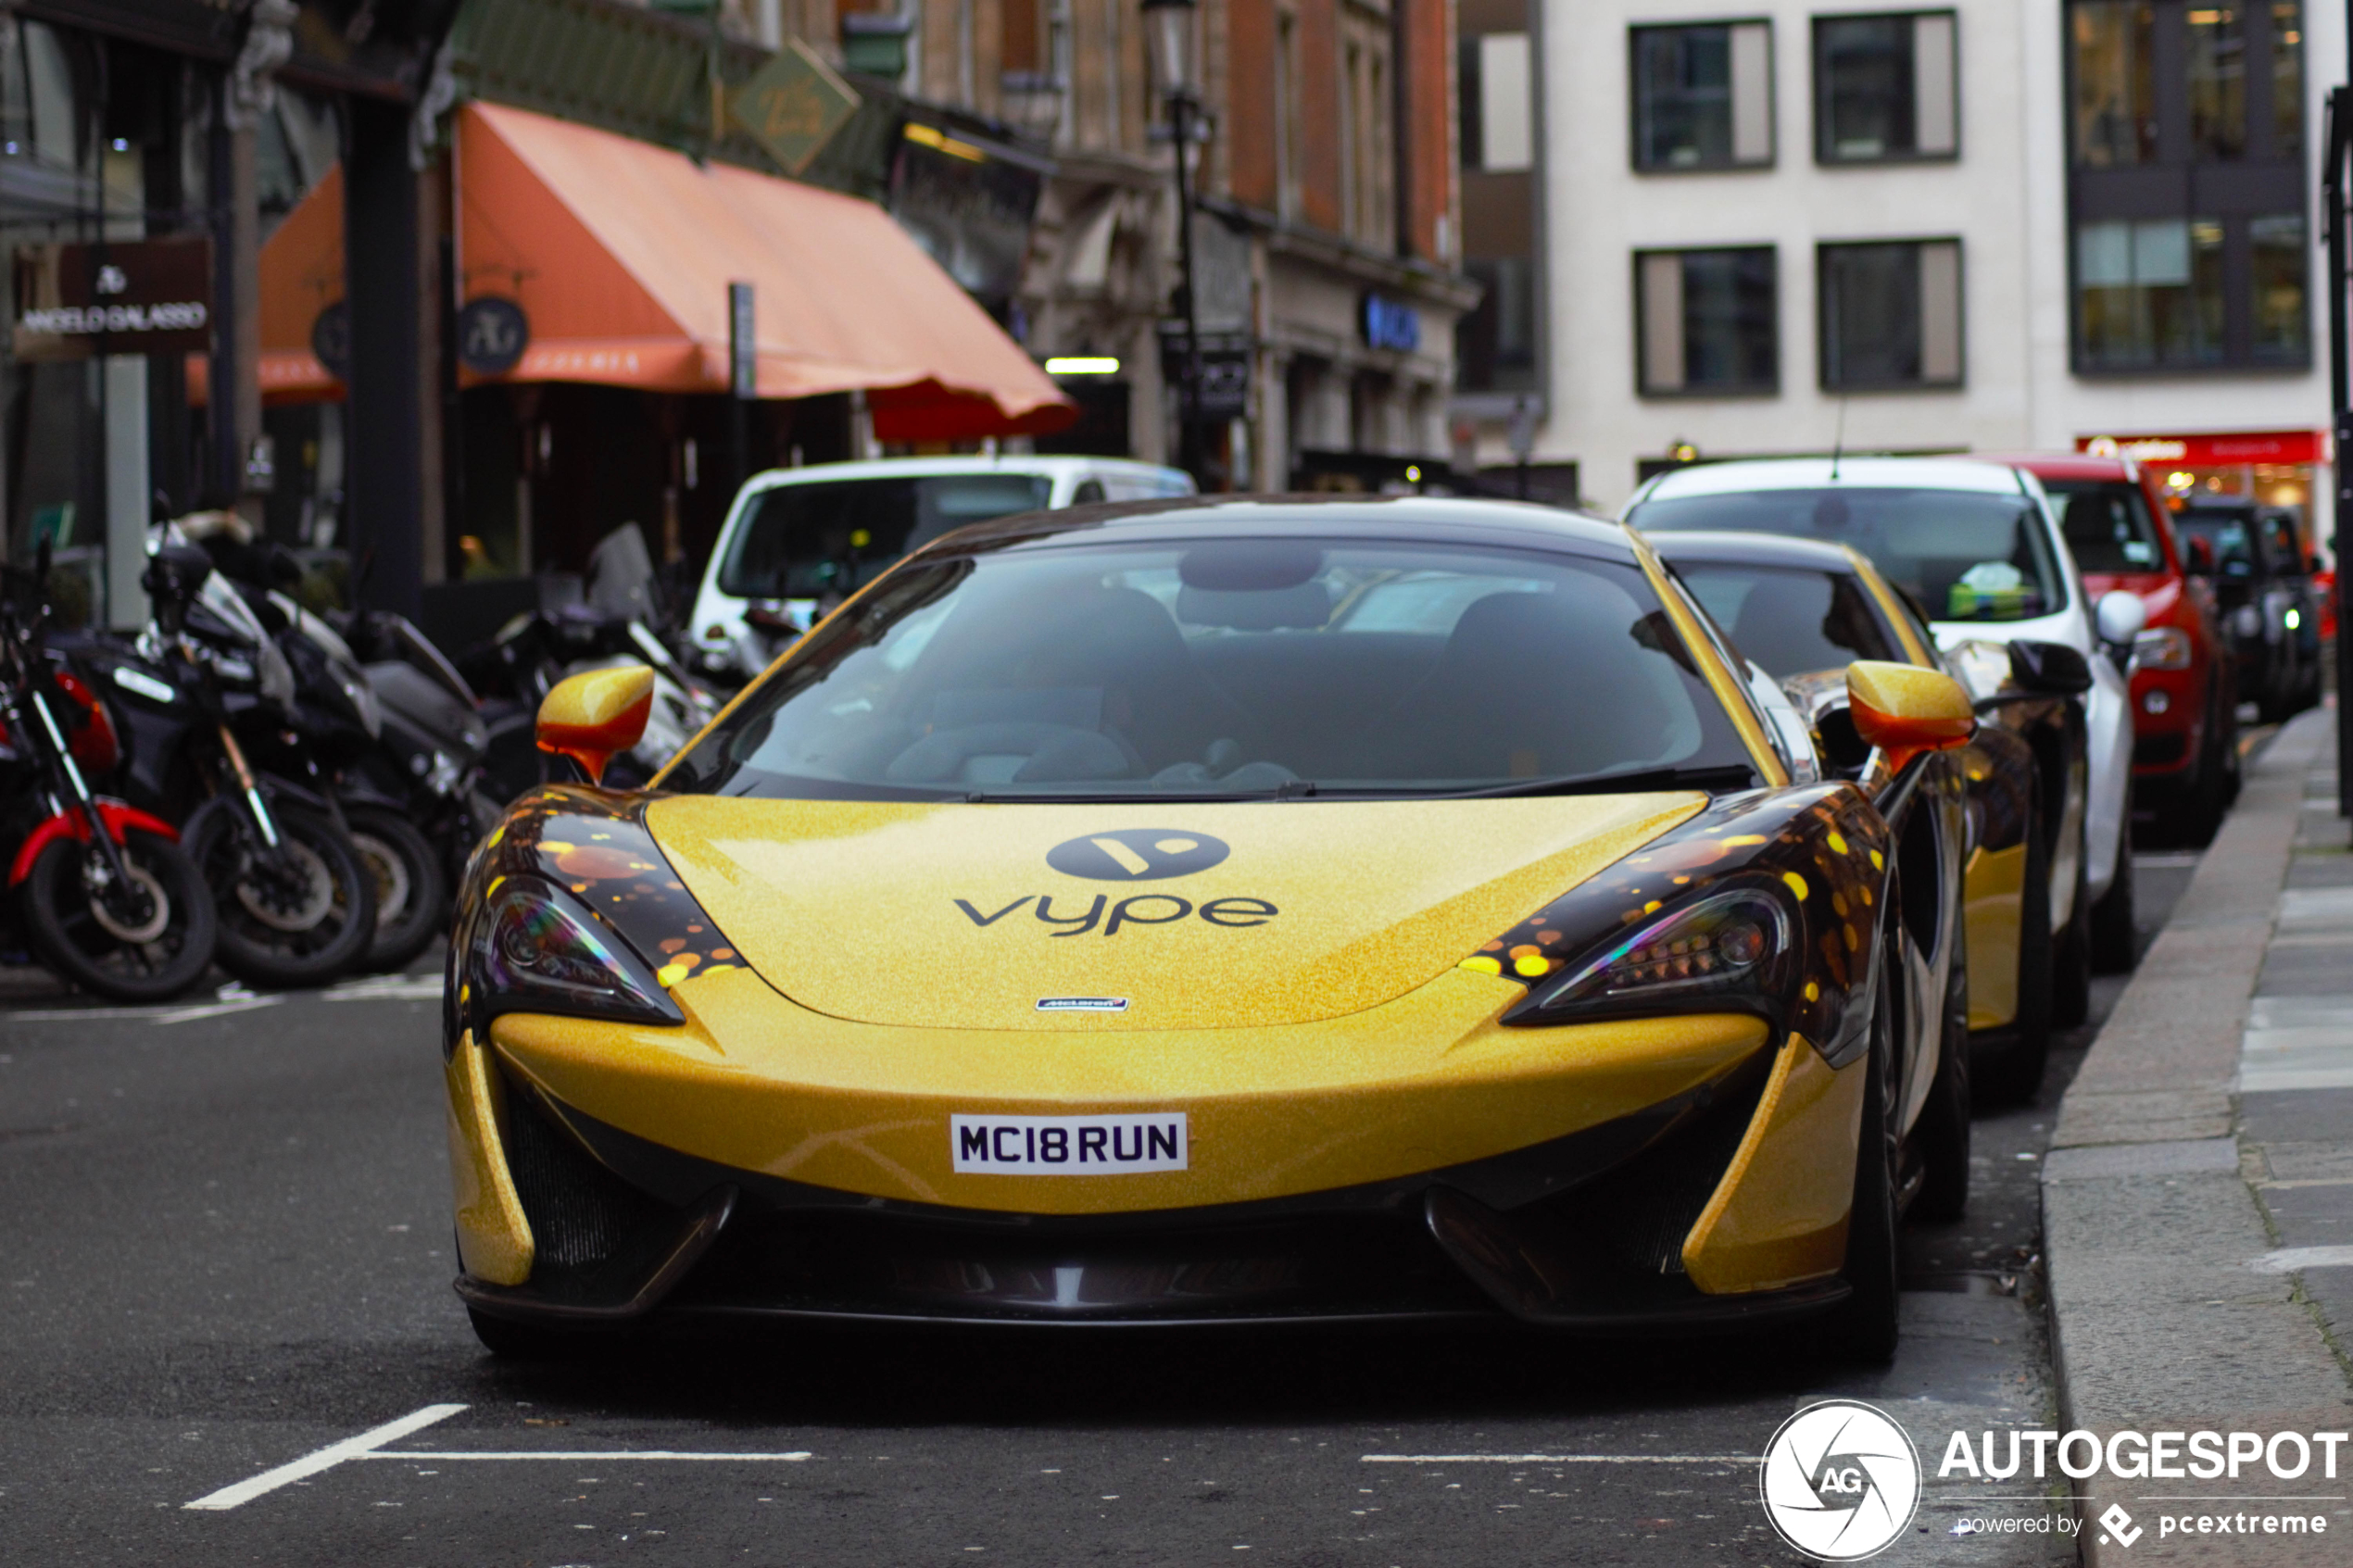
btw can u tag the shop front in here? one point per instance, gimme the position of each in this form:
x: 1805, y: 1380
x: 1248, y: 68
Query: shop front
x: 2279, y: 468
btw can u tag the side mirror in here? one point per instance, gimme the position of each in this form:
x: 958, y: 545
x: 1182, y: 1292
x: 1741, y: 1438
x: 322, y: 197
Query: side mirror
x: 591, y: 716
x: 2049, y: 669
x: 2201, y: 557
x: 1906, y: 711
x: 2118, y: 618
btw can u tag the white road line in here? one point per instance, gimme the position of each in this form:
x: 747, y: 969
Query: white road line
x: 2295, y: 1260
x: 582, y: 1456
x: 325, y: 1459
x: 386, y: 988
x: 1561, y: 1458
x: 219, y: 1010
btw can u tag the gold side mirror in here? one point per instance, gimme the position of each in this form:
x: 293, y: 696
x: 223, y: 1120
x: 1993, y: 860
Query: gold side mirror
x: 1904, y: 710
x: 591, y: 716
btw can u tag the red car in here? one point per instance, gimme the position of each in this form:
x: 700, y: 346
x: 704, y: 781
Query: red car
x: 2186, y: 757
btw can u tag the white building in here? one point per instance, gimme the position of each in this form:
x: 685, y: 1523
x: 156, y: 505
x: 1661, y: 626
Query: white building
x: 2016, y: 224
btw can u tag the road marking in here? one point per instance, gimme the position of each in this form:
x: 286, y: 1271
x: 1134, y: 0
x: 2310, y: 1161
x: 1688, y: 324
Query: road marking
x: 1561, y: 1459
x: 386, y: 988
x: 325, y: 1459
x: 2172, y: 860
x: 2294, y: 1260
x: 219, y: 1010
x: 584, y: 1456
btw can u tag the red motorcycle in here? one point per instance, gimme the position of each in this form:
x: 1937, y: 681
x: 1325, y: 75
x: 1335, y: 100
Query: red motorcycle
x: 101, y: 889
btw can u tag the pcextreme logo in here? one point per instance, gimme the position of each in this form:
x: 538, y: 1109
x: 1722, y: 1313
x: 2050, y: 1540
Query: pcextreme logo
x: 1839, y: 1480
x: 1131, y: 854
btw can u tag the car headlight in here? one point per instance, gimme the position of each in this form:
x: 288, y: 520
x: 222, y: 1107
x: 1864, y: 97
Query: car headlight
x: 1729, y: 949
x: 533, y: 950
x: 2162, y: 647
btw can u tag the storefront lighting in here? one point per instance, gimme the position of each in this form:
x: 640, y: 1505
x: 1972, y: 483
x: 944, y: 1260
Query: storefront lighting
x: 1083, y: 365
x: 2180, y: 480
x: 1413, y: 473
x: 925, y: 136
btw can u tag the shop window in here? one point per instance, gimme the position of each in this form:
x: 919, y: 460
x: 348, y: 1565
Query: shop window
x: 1496, y: 342
x: 1891, y: 315
x: 1702, y: 96
x: 1884, y: 88
x: 2187, y: 185
x: 1707, y: 321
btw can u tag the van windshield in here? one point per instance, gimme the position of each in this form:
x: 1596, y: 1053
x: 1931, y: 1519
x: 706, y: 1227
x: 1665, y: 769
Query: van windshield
x: 833, y: 538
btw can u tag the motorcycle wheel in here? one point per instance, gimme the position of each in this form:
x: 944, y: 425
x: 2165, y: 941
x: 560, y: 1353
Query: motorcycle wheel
x: 412, y: 890
x: 303, y: 916
x: 147, y: 950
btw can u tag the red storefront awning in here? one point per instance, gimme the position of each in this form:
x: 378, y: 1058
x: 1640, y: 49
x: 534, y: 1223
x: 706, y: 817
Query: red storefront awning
x: 620, y: 254
x: 2211, y: 451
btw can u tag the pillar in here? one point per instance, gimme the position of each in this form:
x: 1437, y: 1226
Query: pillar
x: 129, y: 489
x: 385, y: 439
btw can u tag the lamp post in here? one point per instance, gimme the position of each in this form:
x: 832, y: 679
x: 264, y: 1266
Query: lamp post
x: 1168, y: 36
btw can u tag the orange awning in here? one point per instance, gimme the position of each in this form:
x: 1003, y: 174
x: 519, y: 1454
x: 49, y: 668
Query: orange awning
x: 619, y: 254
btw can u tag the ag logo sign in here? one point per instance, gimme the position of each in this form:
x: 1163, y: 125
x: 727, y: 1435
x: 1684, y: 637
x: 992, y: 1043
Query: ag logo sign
x: 1138, y: 854
x: 1840, y: 1481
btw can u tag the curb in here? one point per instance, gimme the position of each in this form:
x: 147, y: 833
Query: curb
x: 2157, y: 1321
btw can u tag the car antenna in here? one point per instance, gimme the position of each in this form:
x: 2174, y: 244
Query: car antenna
x: 1838, y: 442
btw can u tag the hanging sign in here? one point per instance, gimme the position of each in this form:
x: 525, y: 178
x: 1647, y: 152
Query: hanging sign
x: 792, y: 106
x: 492, y: 334
x: 124, y: 296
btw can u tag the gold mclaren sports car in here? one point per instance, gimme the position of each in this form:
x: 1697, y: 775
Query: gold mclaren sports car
x: 1223, y: 911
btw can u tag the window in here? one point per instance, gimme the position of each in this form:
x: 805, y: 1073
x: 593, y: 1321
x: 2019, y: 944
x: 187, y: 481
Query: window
x: 1286, y: 113
x: 1891, y: 315
x: 1702, y: 96
x: 1707, y: 320
x: 2186, y: 184
x: 1884, y: 88
x: 1364, y: 119
x: 1792, y: 623
x: 2106, y: 524
x: 1495, y: 344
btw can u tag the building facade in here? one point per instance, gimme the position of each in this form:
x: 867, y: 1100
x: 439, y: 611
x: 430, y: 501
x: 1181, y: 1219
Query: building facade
x: 1931, y: 228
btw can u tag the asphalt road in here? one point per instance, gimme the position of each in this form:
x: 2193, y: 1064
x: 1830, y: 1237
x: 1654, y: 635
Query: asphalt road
x: 224, y: 1245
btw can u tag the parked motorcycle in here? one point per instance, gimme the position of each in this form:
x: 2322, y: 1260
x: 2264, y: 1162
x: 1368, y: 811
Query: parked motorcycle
x: 209, y: 702
x: 102, y: 890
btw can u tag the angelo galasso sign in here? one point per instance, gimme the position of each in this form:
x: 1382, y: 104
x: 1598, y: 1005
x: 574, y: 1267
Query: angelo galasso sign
x: 118, y: 296
x: 1841, y: 1480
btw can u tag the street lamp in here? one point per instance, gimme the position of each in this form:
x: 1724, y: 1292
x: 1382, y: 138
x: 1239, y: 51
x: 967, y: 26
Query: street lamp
x: 1168, y: 37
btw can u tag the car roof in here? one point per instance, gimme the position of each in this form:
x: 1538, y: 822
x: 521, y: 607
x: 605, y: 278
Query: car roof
x: 2067, y: 465
x: 925, y: 467
x: 1754, y: 549
x: 1401, y: 518
x: 1820, y: 474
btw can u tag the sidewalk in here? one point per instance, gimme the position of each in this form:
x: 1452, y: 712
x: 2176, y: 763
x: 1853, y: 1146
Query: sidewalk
x: 2199, y: 1197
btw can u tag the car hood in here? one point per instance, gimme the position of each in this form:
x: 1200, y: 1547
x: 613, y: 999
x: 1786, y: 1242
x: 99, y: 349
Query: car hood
x: 1160, y: 916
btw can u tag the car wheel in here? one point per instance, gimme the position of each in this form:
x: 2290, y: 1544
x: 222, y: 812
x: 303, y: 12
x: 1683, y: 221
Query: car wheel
x: 2113, y: 937
x: 1865, y: 1327
x: 2072, y: 962
x: 2012, y: 1070
x: 1942, y: 1130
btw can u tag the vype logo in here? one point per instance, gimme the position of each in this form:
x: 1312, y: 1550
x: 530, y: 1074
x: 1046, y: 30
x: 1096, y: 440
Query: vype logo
x: 1138, y: 854
x: 1132, y: 855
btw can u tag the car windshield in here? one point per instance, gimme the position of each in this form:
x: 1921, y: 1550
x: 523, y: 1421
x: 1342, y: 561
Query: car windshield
x: 835, y: 537
x: 2108, y: 525
x: 1790, y: 620
x: 1224, y: 669
x: 2227, y: 534
x: 1964, y: 555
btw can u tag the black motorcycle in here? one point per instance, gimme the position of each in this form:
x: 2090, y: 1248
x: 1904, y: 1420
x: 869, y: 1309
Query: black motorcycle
x: 209, y: 703
x: 101, y: 888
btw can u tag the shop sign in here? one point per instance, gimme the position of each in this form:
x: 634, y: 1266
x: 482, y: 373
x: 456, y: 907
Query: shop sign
x: 1223, y: 389
x: 492, y: 334
x: 969, y: 203
x: 2209, y: 451
x: 1387, y: 323
x: 126, y: 296
x: 792, y: 106
x: 330, y: 340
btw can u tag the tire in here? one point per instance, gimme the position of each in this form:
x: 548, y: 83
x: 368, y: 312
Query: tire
x: 147, y: 953
x: 2012, y: 1070
x: 1942, y: 1130
x: 305, y: 919
x: 1865, y: 1327
x: 411, y: 885
x: 2072, y: 962
x: 2114, y: 940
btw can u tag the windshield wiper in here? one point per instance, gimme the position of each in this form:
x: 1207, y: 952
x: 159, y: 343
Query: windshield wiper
x: 1715, y: 781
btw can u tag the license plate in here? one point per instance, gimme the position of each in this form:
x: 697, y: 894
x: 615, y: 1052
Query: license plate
x: 1068, y: 1146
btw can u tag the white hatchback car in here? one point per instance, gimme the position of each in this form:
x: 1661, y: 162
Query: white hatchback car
x: 798, y: 541
x: 1979, y: 549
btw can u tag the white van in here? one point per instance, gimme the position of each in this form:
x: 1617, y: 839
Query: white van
x: 800, y: 541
